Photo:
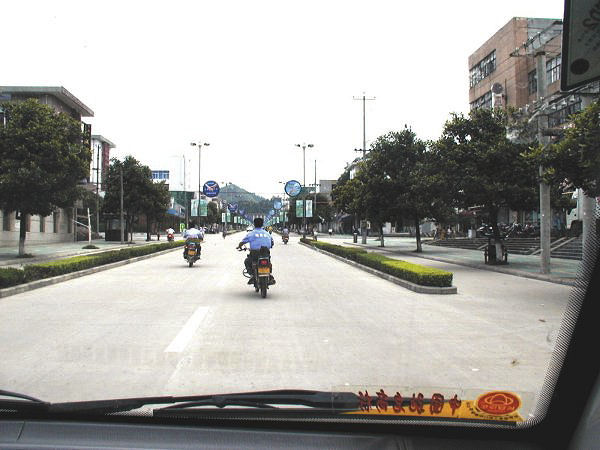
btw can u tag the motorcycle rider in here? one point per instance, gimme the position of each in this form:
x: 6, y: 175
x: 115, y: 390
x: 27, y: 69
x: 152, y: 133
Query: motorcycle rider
x: 257, y: 238
x: 192, y: 234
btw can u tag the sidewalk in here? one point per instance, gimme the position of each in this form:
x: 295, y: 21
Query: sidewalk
x: 563, y: 271
x: 58, y: 250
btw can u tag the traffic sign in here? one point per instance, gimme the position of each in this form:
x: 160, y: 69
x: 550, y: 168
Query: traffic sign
x: 211, y: 188
x: 293, y: 188
x: 232, y: 207
x: 580, y: 44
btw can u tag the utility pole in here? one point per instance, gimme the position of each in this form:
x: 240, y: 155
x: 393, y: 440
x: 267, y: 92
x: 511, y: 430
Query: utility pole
x: 534, y: 46
x: 122, y: 222
x: 185, y: 195
x: 545, y: 210
x: 315, y: 200
x: 364, y: 101
x: 364, y: 152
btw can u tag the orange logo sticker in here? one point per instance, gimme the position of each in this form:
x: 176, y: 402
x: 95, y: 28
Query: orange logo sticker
x: 498, y: 403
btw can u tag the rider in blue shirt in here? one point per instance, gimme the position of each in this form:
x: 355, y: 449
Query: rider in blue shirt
x: 257, y: 239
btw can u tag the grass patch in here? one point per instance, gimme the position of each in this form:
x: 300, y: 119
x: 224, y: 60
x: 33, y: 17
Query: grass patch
x: 31, y: 272
x: 415, y: 273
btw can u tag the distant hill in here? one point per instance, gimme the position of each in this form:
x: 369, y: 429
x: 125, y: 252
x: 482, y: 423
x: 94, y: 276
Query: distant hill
x: 252, y: 203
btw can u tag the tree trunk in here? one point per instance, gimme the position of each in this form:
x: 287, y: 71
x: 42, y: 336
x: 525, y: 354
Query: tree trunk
x: 381, y: 244
x: 131, y: 229
x: 22, y: 233
x: 418, y: 236
x: 494, y: 222
x: 148, y: 238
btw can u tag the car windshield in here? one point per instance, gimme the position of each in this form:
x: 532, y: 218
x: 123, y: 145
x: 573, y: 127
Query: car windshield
x: 374, y: 208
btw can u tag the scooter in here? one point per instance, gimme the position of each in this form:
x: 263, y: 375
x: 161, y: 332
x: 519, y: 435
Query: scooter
x: 261, y: 270
x: 170, y: 237
x: 192, y: 252
x: 285, y: 238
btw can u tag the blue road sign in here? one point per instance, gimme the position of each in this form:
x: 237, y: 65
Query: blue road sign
x: 211, y: 188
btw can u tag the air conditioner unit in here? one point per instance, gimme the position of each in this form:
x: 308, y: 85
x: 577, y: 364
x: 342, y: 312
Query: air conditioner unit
x: 497, y: 101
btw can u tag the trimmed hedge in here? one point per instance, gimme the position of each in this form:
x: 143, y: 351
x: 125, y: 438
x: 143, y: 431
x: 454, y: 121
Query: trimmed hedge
x: 31, y: 272
x: 11, y: 277
x: 415, y: 273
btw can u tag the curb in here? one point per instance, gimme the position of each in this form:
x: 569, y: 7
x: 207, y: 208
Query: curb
x: 7, y: 292
x: 405, y: 284
x: 514, y: 272
x: 47, y: 258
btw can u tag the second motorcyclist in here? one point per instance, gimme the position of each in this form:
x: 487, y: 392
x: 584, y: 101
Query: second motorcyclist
x: 193, y: 234
x: 257, y: 238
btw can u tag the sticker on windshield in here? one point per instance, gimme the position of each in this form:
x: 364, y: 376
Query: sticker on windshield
x: 497, y: 405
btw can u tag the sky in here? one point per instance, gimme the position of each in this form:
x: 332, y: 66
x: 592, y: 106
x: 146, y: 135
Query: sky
x: 254, y: 78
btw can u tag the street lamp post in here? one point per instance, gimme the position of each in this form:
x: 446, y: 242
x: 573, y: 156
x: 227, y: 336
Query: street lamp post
x: 199, y: 144
x: 303, y: 146
x: 122, y: 223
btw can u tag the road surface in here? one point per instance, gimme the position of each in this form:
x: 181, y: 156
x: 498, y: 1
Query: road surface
x: 157, y: 327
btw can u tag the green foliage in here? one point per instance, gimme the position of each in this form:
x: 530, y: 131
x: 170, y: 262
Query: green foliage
x: 576, y: 158
x: 11, y: 277
x: 140, y: 194
x: 415, y: 273
x: 481, y: 166
x: 89, y: 247
x: 32, y: 272
x: 43, y: 159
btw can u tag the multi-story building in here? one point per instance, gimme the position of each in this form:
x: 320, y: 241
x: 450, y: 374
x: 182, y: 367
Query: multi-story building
x: 59, y: 226
x: 502, y: 73
x: 100, y: 161
x: 499, y: 62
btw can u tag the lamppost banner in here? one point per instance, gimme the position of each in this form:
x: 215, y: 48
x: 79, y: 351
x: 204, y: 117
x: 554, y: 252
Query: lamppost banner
x: 299, y: 208
x: 309, y: 210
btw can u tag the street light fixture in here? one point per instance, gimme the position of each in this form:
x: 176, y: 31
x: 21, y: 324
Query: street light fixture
x: 304, y: 146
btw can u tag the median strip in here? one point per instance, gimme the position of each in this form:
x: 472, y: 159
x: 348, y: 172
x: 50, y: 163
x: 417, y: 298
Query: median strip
x: 32, y: 276
x: 415, y: 277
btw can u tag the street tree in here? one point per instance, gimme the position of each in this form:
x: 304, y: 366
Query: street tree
x: 156, y: 203
x: 402, y: 181
x: 574, y: 161
x: 43, y: 159
x: 482, y: 167
x: 345, y: 194
x: 138, y: 190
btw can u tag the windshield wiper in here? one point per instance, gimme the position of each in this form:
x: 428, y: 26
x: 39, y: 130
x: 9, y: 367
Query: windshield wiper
x: 20, y: 404
x: 260, y: 399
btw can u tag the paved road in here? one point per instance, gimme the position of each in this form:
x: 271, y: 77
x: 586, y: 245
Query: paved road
x: 157, y: 327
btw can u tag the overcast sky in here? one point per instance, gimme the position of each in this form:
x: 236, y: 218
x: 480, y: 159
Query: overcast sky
x: 253, y: 78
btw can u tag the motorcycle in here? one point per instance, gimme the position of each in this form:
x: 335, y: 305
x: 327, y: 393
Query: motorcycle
x: 192, y: 252
x: 285, y: 238
x: 170, y: 237
x: 261, y: 271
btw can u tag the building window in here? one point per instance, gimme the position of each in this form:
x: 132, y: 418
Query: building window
x: 482, y: 69
x: 532, y: 82
x: 42, y: 224
x: 55, y: 217
x: 5, y: 220
x: 160, y: 174
x: 561, y: 116
x: 485, y: 101
x: 553, y: 70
